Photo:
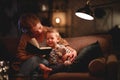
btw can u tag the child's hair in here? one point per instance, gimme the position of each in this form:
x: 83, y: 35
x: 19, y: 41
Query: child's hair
x: 61, y: 40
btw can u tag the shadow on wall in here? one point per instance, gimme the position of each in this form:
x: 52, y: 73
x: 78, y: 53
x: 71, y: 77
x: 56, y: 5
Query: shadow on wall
x: 115, y: 32
x: 4, y: 53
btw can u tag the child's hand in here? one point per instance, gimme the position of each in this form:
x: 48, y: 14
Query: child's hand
x: 67, y: 62
x: 65, y: 57
x: 71, y: 56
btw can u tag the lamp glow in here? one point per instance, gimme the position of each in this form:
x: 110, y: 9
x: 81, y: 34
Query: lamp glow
x: 57, y: 20
x: 84, y: 16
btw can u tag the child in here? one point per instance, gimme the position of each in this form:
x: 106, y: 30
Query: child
x: 59, y: 49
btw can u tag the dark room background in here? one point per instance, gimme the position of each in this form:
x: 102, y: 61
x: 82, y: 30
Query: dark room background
x: 47, y: 10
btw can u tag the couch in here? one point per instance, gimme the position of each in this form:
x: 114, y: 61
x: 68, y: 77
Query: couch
x: 109, y: 64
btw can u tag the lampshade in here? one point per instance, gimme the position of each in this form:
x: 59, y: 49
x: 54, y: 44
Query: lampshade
x: 85, y: 13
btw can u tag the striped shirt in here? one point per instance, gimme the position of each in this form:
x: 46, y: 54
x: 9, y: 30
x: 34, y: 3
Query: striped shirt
x: 57, y: 53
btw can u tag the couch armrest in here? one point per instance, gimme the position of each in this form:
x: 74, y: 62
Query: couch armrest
x: 73, y: 76
x: 112, y: 67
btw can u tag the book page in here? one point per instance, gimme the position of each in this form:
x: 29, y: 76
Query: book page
x: 45, y: 48
x: 34, y: 42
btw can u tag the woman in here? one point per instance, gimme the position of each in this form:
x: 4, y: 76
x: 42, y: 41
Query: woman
x: 33, y: 31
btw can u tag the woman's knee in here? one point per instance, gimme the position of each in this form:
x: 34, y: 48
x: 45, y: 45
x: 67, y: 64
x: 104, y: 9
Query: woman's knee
x: 37, y: 60
x: 44, y: 61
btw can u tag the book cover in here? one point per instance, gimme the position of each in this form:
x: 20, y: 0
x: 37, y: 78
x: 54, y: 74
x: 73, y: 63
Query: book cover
x: 35, y: 50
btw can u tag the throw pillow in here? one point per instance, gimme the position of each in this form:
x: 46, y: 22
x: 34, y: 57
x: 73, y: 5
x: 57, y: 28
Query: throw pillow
x: 84, y: 57
x: 97, y: 66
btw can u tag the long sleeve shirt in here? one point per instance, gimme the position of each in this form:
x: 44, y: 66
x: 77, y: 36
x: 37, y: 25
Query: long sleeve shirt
x: 22, y: 54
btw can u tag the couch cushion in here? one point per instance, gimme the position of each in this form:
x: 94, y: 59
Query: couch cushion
x: 83, y: 41
x: 73, y: 76
x: 85, y: 55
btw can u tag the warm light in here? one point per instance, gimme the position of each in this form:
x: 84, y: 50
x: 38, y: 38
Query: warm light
x: 57, y: 20
x: 44, y: 7
x: 84, y: 16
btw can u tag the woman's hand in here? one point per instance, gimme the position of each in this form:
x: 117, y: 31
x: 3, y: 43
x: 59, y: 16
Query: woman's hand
x: 71, y: 56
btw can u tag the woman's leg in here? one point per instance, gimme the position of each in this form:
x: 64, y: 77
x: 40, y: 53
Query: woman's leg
x: 58, y: 68
x: 78, y: 65
x: 37, y: 73
x: 31, y: 64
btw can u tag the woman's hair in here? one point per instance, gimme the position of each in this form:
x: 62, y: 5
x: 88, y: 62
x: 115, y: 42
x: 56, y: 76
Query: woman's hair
x: 28, y: 20
x: 61, y: 40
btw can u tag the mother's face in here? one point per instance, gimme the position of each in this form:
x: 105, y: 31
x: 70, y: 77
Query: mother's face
x: 37, y: 30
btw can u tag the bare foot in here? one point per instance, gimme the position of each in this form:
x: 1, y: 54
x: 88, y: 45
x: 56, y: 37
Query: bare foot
x: 46, y: 70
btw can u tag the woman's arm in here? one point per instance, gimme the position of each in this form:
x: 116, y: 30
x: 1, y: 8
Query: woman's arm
x: 71, y: 56
x: 21, y: 53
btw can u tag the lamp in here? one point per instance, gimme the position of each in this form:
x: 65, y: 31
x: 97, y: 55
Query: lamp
x: 99, y: 12
x: 85, y: 12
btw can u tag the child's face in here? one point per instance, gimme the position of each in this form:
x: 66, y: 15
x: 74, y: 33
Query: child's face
x: 52, y: 39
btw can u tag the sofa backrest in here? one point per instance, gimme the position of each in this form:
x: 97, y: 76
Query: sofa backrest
x: 80, y: 42
x: 9, y: 45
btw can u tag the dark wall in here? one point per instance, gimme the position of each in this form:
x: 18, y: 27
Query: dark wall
x: 8, y: 17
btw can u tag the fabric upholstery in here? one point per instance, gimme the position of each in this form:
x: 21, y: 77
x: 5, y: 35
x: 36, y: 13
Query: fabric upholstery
x: 77, y: 43
x: 97, y: 66
x: 86, y: 55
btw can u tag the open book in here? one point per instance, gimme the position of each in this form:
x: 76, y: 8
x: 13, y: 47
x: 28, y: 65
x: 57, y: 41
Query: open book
x: 35, y: 50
